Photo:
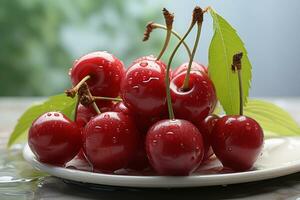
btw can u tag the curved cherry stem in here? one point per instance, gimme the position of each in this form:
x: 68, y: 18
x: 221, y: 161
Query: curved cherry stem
x: 163, y: 27
x: 237, y: 66
x: 86, y: 97
x: 185, y: 85
x: 169, y: 18
x: 169, y: 100
x: 73, y: 91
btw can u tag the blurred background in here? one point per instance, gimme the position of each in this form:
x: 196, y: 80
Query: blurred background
x: 40, y: 39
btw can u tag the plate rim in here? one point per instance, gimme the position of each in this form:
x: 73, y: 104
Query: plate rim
x: 161, y: 181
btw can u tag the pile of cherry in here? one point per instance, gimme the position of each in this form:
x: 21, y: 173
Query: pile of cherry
x: 145, y: 117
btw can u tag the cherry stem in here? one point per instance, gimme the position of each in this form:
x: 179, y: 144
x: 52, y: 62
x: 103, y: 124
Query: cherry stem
x: 237, y: 66
x: 169, y: 100
x: 169, y: 18
x: 76, y: 108
x: 187, y: 76
x: 86, y: 97
x: 73, y: 91
x: 160, y: 26
x: 107, y: 98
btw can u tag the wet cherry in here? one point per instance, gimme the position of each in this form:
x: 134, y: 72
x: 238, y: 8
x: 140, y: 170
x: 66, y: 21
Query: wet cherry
x: 54, y: 138
x: 237, y: 141
x: 174, y: 147
x: 105, y: 70
x: 143, y: 88
x: 196, y: 102
x: 84, y: 114
x: 110, y: 141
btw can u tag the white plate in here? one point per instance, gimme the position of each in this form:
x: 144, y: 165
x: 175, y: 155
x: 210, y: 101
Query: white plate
x: 280, y: 157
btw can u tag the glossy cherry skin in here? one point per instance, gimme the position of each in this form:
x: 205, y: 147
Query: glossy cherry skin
x: 106, y: 73
x: 198, y: 101
x: 174, y: 147
x: 195, y: 67
x: 143, y: 88
x: 54, y: 139
x: 237, y: 141
x: 205, y: 127
x: 150, y: 58
x: 110, y: 141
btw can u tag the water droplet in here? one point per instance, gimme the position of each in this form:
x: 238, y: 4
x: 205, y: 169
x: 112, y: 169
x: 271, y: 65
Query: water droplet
x: 194, y: 139
x: 127, y: 130
x: 182, y: 145
x: 193, y: 158
x: 98, y: 127
x: 136, y: 87
x: 143, y: 64
x: 114, y: 140
x: 150, y: 79
x: 154, y: 142
x: 135, y: 74
x: 229, y: 149
x: 130, y: 80
x: 117, y: 77
x: 118, y: 130
x: 49, y: 114
x: 248, y: 128
x: 56, y: 114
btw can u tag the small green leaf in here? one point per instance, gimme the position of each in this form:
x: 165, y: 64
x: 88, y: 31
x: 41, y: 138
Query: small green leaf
x: 274, y: 120
x: 224, y: 44
x: 60, y: 103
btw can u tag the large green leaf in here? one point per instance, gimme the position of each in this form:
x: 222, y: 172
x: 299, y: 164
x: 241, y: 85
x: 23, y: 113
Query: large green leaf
x: 225, y: 43
x: 274, y: 120
x: 60, y: 103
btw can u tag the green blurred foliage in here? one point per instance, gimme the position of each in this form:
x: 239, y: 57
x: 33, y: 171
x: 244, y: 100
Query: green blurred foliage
x: 40, y: 39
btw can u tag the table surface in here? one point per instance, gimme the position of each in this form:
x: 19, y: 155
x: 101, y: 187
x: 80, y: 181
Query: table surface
x: 19, y: 181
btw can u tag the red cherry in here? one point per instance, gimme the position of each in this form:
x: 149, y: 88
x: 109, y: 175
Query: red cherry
x: 143, y: 88
x: 198, y: 101
x: 84, y: 114
x: 110, y: 141
x: 205, y: 127
x: 54, y: 138
x: 174, y: 147
x: 195, y: 67
x: 105, y: 70
x: 237, y: 141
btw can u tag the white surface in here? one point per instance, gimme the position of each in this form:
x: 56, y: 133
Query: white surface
x: 280, y: 157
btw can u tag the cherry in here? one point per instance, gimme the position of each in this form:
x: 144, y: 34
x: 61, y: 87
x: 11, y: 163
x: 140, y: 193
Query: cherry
x: 104, y: 73
x: 184, y: 67
x: 110, y: 141
x: 143, y: 88
x: 54, y: 139
x: 237, y: 140
x: 198, y: 101
x: 205, y: 127
x: 174, y: 146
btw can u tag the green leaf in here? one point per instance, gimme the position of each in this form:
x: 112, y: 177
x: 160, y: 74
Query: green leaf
x: 60, y: 103
x: 274, y: 120
x: 224, y: 44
